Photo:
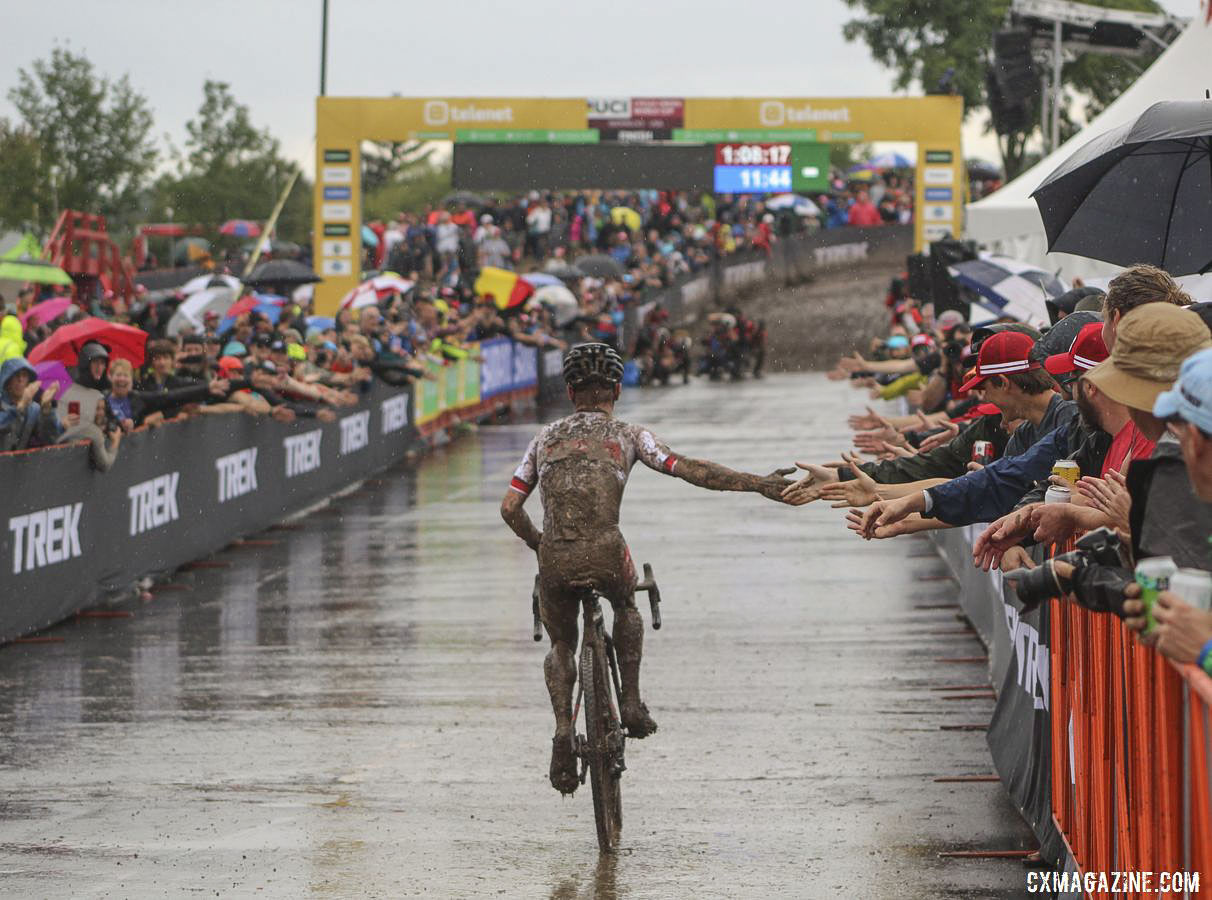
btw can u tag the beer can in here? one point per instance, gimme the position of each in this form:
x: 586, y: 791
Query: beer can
x: 1194, y: 586
x: 983, y: 452
x: 1057, y: 494
x: 1067, y: 469
x: 1153, y: 575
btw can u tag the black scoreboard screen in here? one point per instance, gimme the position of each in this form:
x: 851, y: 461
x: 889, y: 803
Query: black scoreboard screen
x: 518, y: 167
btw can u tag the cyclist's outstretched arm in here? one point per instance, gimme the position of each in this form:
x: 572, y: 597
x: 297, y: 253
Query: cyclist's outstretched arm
x: 706, y: 474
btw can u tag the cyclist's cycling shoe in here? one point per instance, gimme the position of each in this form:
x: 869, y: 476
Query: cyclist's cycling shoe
x: 563, y: 764
x: 637, y: 721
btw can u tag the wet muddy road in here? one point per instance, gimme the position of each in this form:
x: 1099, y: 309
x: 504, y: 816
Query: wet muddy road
x: 356, y: 707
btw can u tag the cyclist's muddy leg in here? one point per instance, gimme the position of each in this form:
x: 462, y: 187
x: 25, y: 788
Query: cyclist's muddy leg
x: 560, y: 672
x: 629, y: 648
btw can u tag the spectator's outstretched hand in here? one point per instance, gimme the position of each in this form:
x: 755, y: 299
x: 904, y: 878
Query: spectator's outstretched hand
x: 220, y: 387
x: 854, y: 521
x: 1054, y: 522
x: 326, y: 415
x: 28, y: 395
x: 860, y: 491
x: 868, y: 421
x: 1134, y: 611
x: 808, y: 488
x: 950, y: 430
x: 1017, y: 558
x: 283, y: 414
x: 1000, y: 536
x: 49, y: 394
x: 1109, y: 496
x: 774, y: 484
x: 883, y: 513
x: 1182, y: 629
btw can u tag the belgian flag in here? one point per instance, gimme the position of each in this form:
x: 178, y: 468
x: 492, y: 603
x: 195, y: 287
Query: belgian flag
x: 507, y: 290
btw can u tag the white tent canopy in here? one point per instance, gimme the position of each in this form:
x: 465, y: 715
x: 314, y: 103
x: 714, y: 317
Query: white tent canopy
x: 1007, y: 222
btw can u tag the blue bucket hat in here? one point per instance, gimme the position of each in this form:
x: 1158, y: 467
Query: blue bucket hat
x: 234, y: 348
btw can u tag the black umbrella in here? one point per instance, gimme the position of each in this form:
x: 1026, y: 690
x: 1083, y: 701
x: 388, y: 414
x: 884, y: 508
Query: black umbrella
x: 281, y: 271
x: 599, y: 265
x: 563, y: 271
x: 1141, y: 193
x: 467, y: 198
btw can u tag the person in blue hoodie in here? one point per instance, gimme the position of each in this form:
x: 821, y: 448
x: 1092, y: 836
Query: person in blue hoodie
x: 24, y: 420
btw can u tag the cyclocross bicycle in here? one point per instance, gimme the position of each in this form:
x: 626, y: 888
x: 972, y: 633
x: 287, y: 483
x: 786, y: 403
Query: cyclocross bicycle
x: 600, y: 748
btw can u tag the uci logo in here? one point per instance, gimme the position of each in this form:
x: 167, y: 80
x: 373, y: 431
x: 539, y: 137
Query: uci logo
x: 609, y: 107
x: 772, y: 113
x: 437, y: 112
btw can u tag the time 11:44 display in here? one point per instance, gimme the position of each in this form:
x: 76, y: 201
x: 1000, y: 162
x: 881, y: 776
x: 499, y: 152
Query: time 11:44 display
x: 752, y: 179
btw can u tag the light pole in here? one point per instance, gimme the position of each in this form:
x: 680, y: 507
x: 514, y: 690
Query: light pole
x: 172, y: 239
x: 323, y: 47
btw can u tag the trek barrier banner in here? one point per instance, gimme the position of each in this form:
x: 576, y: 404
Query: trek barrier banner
x: 1019, y: 734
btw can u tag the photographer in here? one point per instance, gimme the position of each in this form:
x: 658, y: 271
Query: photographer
x: 103, y: 433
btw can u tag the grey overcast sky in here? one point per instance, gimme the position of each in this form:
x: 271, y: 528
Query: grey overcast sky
x: 268, y: 50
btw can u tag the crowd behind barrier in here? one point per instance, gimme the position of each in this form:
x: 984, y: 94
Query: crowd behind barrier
x: 75, y: 535
x: 1065, y: 475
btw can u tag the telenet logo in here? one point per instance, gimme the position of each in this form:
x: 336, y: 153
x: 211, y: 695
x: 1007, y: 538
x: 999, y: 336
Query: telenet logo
x: 775, y: 113
x: 440, y: 112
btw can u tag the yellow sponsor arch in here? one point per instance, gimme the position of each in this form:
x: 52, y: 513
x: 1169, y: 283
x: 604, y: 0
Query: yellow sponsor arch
x: 342, y: 123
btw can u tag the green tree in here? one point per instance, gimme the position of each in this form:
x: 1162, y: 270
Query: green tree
x: 93, y: 138
x: 920, y: 40
x: 20, y: 199
x: 230, y: 169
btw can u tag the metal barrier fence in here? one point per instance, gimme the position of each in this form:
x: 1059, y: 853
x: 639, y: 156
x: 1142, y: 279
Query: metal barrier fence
x: 1104, y: 745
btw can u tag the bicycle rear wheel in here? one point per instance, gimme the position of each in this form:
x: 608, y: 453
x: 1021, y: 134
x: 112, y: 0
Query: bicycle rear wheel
x: 604, y: 736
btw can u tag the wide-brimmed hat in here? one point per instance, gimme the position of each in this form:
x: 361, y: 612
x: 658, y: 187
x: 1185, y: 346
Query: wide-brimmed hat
x: 1151, y: 343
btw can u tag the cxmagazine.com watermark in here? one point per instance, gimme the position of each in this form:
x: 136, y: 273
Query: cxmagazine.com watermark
x: 1106, y: 883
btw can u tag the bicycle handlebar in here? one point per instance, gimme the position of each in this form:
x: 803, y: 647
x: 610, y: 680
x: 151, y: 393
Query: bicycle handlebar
x: 654, y: 596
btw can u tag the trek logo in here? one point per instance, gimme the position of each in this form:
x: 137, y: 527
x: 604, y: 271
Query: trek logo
x: 237, y: 474
x: 302, y: 452
x: 153, y: 503
x: 774, y: 113
x: 355, y: 432
x: 1032, y: 659
x: 439, y: 112
x: 393, y: 414
x: 45, y: 537
x: 840, y: 253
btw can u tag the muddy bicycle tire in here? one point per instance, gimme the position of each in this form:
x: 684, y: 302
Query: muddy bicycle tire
x: 602, y: 729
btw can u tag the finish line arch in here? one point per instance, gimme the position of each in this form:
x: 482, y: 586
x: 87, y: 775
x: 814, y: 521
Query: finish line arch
x: 343, y: 123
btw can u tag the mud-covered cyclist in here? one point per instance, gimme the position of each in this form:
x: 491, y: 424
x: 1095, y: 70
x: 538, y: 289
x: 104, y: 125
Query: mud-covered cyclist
x: 580, y: 465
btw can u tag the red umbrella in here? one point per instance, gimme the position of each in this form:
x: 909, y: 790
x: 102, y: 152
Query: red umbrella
x: 240, y: 228
x: 122, y: 341
x: 245, y: 304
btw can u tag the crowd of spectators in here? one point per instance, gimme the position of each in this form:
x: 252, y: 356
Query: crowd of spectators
x: 1120, y: 386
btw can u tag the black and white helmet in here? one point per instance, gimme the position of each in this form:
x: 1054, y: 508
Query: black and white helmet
x: 592, y: 364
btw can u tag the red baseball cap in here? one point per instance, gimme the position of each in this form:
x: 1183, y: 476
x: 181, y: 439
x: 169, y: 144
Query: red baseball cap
x: 1086, y: 352
x: 921, y: 340
x: 1005, y: 353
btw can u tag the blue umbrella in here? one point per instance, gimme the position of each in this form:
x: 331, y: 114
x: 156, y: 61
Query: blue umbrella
x: 322, y: 323
x: 890, y: 161
x: 540, y: 279
x: 369, y: 238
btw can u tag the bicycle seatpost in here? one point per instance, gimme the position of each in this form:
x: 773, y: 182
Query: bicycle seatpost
x: 654, y: 596
x: 534, y: 608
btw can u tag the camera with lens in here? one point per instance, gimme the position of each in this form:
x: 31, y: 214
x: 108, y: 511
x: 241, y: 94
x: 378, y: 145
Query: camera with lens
x: 953, y: 349
x: 1100, y: 571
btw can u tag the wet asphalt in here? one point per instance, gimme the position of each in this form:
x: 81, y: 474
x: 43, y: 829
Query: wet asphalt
x: 353, y: 705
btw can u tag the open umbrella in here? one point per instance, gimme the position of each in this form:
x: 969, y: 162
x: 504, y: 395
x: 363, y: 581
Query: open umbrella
x: 1141, y: 193
x: 192, y: 312
x: 539, y: 279
x: 599, y: 265
x: 202, y: 282
x: 562, y: 270
x: 467, y: 198
x: 980, y: 170
x: 268, y: 305
x: 46, y: 311
x: 323, y: 323
x: 54, y: 372
x: 889, y: 161
x: 860, y: 172
x: 24, y: 262
x: 1009, y: 287
x: 123, y: 341
x: 282, y: 271
x: 191, y: 250
x: 240, y: 228
x: 371, y: 291
x: 798, y: 204
x: 563, y: 302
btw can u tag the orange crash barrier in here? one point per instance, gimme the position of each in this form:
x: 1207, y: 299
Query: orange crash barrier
x: 1131, y: 751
